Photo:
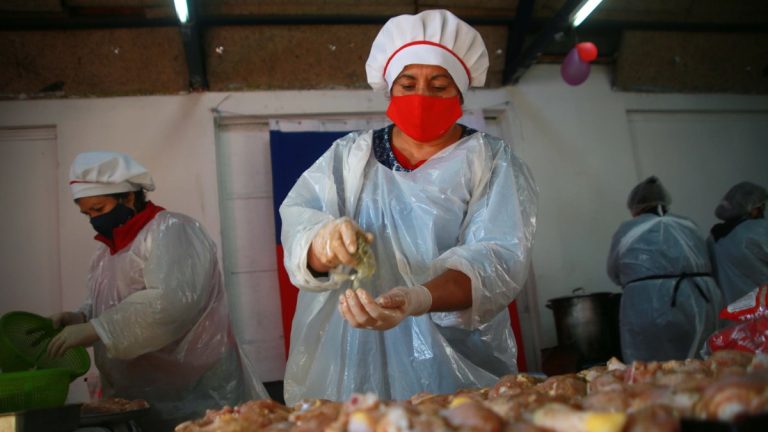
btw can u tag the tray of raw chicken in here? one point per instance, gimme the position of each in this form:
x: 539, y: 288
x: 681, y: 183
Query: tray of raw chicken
x: 726, y: 392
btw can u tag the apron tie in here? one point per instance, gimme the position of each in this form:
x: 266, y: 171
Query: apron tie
x: 678, y: 280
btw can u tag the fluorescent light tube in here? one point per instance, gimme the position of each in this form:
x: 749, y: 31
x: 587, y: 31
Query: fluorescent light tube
x: 583, y: 12
x: 181, y: 10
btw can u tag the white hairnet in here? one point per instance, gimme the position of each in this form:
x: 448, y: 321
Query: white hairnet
x: 432, y: 37
x: 648, y: 193
x: 740, y: 200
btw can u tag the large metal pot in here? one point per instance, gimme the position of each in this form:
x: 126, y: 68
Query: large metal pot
x: 589, y: 323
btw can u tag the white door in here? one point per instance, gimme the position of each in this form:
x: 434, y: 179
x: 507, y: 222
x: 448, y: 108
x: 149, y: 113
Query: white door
x: 698, y: 156
x: 29, y: 250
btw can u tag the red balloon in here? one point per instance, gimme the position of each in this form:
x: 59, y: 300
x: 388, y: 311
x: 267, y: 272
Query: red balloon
x: 587, y: 51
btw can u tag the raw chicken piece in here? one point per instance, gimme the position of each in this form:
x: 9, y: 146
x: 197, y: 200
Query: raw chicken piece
x: 515, y: 407
x: 653, y: 418
x: 524, y: 426
x: 513, y: 384
x: 733, y: 397
x: 478, y: 394
x: 694, y: 366
x: 256, y: 414
x: 563, y: 418
x: 728, y: 361
x: 609, y: 400
x: 759, y: 363
x: 362, y: 421
x: 611, y: 380
x: 359, y: 413
x: 470, y: 415
x: 314, y: 414
x: 590, y: 374
x: 641, y: 372
x: 684, y: 395
x: 570, y: 386
x: 643, y: 395
x: 428, y: 403
x: 398, y: 417
x: 263, y: 412
x: 615, y: 364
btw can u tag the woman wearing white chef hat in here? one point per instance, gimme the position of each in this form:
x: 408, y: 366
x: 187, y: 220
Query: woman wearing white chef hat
x: 449, y: 213
x: 156, y: 313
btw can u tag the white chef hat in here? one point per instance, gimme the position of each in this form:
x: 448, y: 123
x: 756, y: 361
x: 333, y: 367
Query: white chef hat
x: 433, y: 37
x: 104, y: 173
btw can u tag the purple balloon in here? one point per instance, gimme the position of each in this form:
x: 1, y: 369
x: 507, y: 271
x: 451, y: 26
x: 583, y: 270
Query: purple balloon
x: 574, y: 70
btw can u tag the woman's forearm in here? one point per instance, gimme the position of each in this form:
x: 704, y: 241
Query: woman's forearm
x: 451, y: 291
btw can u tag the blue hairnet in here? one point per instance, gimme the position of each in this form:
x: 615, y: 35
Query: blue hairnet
x: 740, y: 200
x: 649, y: 193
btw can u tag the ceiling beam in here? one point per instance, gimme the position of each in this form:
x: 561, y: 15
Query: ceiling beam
x: 90, y: 23
x: 516, y: 37
x: 557, y: 24
x: 191, y: 37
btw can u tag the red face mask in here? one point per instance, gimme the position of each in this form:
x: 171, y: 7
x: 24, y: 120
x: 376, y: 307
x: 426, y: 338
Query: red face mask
x: 424, y: 118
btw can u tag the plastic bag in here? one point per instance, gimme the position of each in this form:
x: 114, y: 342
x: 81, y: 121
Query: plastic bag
x: 751, y: 334
x: 751, y: 306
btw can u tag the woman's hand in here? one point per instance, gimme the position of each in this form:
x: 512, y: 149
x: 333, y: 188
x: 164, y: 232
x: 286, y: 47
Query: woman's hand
x: 387, y: 311
x: 335, y: 244
x: 72, y: 336
x: 64, y: 319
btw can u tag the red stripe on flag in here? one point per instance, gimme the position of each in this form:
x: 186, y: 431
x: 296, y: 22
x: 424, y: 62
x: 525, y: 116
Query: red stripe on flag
x: 514, y: 318
x: 288, y: 296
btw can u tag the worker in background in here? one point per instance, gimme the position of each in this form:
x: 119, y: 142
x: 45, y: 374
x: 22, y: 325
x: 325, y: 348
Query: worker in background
x: 670, y: 300
x: 739, y: 245
x: 448, y: 212
x: 156, y: 312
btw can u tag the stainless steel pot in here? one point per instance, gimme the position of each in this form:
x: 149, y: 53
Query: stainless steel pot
x: 589, y: 323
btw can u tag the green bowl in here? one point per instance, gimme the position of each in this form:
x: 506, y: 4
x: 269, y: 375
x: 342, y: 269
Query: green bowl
x: 33, y: 389
x: 24, y: 338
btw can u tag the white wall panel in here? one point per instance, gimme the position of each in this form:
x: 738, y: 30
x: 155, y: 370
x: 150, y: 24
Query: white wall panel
x: 29, y: 249
x: 698, y: 156
x: 244, y: 164
x: 248, y: 232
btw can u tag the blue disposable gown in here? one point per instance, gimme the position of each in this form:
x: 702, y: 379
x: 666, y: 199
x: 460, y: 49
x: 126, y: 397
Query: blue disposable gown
x: 160, y: 311
x: 650, y: 246
x: 471, y: 207
x: 741, y: 259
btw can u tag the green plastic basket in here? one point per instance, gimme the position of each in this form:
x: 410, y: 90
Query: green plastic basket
x: 33, y: 389
x: 24, y: 338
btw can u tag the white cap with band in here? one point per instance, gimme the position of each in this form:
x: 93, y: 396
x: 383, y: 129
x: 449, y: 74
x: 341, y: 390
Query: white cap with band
x: 105, y: 173
x: 432, y: 37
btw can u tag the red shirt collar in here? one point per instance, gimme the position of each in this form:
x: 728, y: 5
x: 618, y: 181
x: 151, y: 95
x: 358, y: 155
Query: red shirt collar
x: 403, y: 161
x: 124, y: 235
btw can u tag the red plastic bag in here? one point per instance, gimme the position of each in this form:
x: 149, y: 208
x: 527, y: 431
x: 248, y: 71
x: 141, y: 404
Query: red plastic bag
x: 751, y: 306
x: 750, y: 336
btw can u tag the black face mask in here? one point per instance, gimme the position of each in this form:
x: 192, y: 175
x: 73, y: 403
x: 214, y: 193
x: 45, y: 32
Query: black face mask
x: 105, y: 223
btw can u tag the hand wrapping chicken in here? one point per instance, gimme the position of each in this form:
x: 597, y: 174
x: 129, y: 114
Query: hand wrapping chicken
x: 335, y: 244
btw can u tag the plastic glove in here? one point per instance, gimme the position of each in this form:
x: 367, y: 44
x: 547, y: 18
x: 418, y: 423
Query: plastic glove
x: 64, y: 319
x: 72, y: 336
x: 335, y: 244
x: 388, y: 310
